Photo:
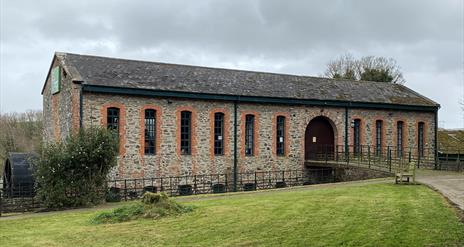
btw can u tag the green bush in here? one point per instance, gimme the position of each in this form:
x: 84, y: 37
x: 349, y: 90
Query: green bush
x: 73, y: 173
x: 152, y: 205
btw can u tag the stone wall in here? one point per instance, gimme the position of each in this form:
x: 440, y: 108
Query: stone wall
x: 169, y: 162
x: 60, y: 110
x: 344, y: 174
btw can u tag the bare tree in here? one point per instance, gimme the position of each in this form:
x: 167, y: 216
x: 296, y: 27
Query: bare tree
x: 345, y: 67
x: 20, y: 132
x: 369, y: 68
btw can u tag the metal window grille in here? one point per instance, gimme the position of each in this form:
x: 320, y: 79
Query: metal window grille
x: 249, y: 134
x: 112, y: 120
x: 150, y: 131
x: 280, y: 147
x: 185, y: 132
x: 420, y: 139
x: 219, y: 133
x: 378, y: 137
x: 357, y: 136
x: 399, y: 138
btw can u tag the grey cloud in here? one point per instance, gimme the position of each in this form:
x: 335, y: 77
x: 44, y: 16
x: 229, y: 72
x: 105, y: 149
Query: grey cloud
x: 299, y: 37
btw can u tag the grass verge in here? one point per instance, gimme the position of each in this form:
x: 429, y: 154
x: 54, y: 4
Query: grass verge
x: 364, y: 215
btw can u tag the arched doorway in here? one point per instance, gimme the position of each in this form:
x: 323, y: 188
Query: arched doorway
x: 319, y: 139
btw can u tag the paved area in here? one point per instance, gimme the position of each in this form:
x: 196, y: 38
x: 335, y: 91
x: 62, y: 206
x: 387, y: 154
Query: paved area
x: 450, y: 184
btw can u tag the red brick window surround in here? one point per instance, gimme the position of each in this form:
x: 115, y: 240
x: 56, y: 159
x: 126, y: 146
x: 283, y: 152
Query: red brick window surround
x: 150, y: 131
x: 113, y: 117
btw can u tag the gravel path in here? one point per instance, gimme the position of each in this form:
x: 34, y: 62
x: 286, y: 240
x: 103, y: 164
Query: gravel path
x: 450, y: 184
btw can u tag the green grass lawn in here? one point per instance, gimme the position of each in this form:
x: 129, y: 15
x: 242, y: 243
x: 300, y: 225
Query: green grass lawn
x: 364, y: 215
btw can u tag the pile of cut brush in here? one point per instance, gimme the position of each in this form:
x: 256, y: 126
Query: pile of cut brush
x: 152, y: 206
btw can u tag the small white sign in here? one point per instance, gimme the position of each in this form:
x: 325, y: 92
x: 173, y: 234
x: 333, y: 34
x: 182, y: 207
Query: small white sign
x: 281, y: 139
x: 314, y: 139
x: 219, y: 138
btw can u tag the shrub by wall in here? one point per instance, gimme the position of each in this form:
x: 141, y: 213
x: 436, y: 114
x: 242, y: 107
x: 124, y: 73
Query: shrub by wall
x: 73, y: 173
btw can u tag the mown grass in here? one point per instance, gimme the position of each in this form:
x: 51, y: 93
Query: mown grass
x: 365, y: 215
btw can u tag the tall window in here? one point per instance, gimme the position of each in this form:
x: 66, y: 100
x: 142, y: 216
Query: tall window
x: 185, y: 132
x: 357, y: 136
x: 280, y: 147
x: 249, y: 134
x: 112, y: 119
x: 420, y: 139
x: 399, y: 138
x: 150, y: 131
x: 378, y: 137
x: 218, y: 133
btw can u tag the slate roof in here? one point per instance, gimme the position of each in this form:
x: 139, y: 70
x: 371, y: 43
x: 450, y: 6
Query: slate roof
x: 104, y: 71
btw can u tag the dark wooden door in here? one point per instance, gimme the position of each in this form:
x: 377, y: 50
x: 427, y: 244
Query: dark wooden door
x: 319, y: 139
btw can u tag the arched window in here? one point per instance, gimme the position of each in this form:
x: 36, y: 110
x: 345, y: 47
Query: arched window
x: 218, y: 133
x: 280, y: 134
x: 357, y: 136
x: 420, y: 139
x: 150, y: 131
x: 185, y: 132
x: 112, y: 120
x: 399, y: 138
x: 378, y: 137
x: 249, y: 134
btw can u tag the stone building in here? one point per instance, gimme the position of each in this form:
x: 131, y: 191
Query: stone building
x: 178, y: 119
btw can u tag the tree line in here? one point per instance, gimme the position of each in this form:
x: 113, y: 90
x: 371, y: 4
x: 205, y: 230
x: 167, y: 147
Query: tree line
x: 20, y: 132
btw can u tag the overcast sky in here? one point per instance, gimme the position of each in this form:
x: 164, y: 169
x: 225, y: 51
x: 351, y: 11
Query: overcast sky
x: 426, y: 37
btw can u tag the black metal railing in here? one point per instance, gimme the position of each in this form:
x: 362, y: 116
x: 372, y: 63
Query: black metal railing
x: 23, y: 197
x: 385, y: 158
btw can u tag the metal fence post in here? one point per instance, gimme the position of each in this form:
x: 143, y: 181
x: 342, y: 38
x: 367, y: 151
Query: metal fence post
x: 459, y: 161
x: 195, y: 184
x: 125, y: 190
x: 418, y: 160
x: 256, y: 182
x: 369, y: 156
x: 389, y: 160
x: 326, y: 153
x: 347, y: 151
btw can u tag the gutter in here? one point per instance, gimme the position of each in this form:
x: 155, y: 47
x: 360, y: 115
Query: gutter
x: 254, y: 99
